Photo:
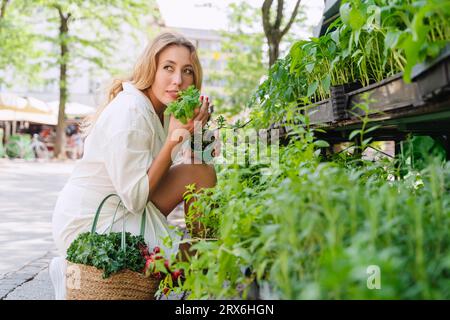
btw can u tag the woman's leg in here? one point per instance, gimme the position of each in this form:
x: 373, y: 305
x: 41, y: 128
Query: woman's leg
x: 171, y: 189
x: 170, y: 192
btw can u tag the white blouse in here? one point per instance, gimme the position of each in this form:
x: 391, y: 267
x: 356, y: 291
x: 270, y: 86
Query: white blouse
x: 126, y: 138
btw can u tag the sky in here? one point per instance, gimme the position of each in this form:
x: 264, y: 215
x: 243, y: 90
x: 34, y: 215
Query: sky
x: 212, y: 14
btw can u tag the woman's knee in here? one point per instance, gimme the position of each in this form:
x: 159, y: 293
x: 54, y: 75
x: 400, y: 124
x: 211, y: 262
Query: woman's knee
x: 210, y: 173
x: 204, y: 174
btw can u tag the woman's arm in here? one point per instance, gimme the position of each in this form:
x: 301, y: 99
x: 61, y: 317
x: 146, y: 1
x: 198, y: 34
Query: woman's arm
x: 161, y: 164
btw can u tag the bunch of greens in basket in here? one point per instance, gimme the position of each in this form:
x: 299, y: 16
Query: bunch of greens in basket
x: 104, y: 251
x: 183, y: 108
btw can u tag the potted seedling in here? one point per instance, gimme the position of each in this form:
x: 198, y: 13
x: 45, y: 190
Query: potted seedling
x: 183, y: 109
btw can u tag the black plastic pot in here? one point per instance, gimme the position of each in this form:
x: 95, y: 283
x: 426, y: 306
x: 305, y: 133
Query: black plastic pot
x: 389, y: 94
x: 339, y: 99
x: 433, y: 78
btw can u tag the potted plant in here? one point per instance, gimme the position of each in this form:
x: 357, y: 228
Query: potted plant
x: 183, y: 109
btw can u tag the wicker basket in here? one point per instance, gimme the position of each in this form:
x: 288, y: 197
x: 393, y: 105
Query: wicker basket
x: 86, y: 283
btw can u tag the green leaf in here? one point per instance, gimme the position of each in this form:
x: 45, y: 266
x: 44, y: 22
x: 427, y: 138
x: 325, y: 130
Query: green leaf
x: 373, y: 128
x: 321, y: 144
x: 353, y: 134
x: 310, y: 67
x: 335, y: 36
x: 357, y: 19
x: 344, y: 12
x: 391, y: 39
x: 326, y: 82
x: 366, y: 141
x: 312, y: 88
x: 103, y: 251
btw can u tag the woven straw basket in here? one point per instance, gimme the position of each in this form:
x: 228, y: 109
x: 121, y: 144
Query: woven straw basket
x: 86, y: 283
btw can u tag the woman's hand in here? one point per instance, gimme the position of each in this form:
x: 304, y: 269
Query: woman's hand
x: 179, y: 131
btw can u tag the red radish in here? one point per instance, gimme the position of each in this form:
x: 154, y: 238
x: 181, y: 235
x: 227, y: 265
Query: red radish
x: 149, y: 264
x: 167, y: 265
x: 176, y: 274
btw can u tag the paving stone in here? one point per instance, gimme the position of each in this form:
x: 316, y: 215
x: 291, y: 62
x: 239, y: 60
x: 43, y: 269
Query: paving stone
x: 40, y: 288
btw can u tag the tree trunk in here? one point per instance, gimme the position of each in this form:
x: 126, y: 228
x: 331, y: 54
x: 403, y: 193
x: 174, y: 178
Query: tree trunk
x: 273, y: 31
x: 60, y: 150
x: 3, y: 8
x: 274, y: 51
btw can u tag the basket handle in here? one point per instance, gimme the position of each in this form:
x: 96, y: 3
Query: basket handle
x: 97, y: 214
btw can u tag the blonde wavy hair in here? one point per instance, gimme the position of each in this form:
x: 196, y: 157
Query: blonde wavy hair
x: 144, y: 72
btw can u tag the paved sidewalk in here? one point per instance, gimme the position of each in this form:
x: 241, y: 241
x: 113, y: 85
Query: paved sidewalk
x: 28, y: 192
x: 32, y: 282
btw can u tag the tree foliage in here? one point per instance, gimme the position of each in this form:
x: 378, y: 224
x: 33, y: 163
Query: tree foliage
x: 243, y: 52
x: 83, y: 31
x: 17, y: 43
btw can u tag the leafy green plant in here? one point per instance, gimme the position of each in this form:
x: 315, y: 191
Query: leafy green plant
x: 19, y: 146
x: 371, y: 41
x: 103, y: 251
x: 276, y: 94
x: 209, y: 218
x: 418, y: 152
x: 183, y: 108
x: 362, y: 142
x: 311, y: 229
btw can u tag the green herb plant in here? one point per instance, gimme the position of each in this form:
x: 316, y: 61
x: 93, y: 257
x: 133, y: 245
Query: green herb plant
x: 183, y: 108
x: 103, y: 251
x: 370, y: 41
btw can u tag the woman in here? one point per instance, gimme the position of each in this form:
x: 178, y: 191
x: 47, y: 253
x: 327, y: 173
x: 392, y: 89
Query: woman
x: 129, y: 151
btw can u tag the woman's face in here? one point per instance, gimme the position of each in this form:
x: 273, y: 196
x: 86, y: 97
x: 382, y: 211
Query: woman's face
x: 174, y: 73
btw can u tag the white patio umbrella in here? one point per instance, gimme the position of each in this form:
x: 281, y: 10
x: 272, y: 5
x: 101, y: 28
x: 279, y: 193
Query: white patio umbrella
x: 15, y: 108
x: 73, y: 109
x: 9, y: 105
x: 37, y: 105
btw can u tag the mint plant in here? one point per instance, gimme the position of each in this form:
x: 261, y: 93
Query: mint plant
x: 183, y: 108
